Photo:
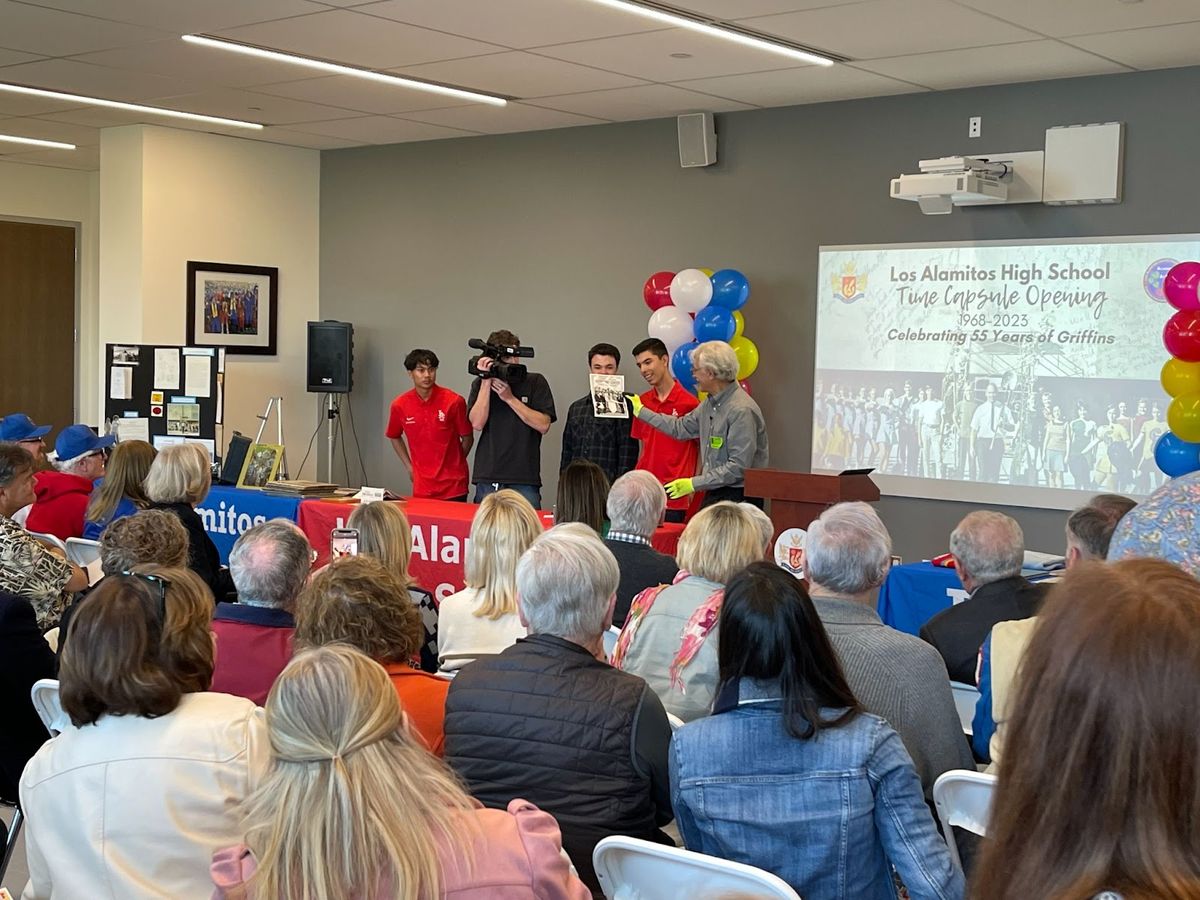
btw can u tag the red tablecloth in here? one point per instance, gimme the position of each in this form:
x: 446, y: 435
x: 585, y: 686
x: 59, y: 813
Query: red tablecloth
x: 440, y: 531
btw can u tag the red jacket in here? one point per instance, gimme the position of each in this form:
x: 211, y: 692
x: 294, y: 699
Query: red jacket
x: 254, y: 643
x: 61, y: 500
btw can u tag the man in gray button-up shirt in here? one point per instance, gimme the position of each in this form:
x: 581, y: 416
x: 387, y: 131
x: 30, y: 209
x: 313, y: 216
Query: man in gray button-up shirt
x: 731, y: 428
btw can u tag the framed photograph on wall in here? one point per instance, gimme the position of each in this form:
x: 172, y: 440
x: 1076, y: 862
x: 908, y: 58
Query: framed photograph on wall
x: 233, y: 307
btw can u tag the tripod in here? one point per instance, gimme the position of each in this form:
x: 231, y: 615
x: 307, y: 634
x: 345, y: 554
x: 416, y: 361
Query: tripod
x: 275, y: 403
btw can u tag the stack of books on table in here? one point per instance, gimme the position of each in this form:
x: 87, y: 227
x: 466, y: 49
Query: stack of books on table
x: 297, y: 487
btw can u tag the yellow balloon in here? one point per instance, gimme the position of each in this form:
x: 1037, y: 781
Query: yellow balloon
x: 1179, y: 377
x: 708, y: 272
x: 739, y: 323
x: 747, y: 354
x: 1183, y: 417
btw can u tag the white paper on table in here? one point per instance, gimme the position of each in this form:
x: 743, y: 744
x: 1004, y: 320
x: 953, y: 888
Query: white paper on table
x: 133, y: 429
x: 120, y: 385
x: 166, y: 368
x: 197, y: 371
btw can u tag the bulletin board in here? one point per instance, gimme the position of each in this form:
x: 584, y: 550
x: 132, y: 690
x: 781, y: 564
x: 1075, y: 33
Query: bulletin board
x: 164, y: 393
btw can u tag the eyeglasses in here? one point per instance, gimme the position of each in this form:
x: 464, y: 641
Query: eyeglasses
x: 158, y: 581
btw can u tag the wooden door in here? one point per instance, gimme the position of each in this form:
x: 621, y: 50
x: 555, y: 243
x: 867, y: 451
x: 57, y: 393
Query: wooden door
x: 37, y: 322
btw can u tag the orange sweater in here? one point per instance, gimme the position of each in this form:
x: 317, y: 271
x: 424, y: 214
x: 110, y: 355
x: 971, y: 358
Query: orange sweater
x: 423, y: 699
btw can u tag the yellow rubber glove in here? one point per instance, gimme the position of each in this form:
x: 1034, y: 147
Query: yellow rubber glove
x: 680, y: 487
x: 635, y: 404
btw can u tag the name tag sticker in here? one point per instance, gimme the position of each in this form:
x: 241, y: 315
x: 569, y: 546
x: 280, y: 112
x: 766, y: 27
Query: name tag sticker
x: 716, y: 442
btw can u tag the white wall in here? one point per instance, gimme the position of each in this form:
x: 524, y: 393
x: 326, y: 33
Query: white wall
x: 170, y: 196
x: 65, y: 196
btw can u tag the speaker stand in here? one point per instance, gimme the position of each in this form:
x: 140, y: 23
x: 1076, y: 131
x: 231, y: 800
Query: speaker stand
x: 331, y: 415
x: 275, y: 403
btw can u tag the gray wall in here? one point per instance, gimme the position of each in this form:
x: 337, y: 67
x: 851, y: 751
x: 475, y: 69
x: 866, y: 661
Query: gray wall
x: 552, y: 233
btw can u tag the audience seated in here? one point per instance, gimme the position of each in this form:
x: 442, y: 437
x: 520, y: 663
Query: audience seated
x: 360, y: 602
x: 550, y: 721
x: 988, y: 550
x: 790, y: 774
x: 1089, y: 533
x: 894, y: 675
x: 670, y: 637
x: 133, y: 805
x: 62, y: 494
x: 269, y: 565
x: 18, y: 428
x: 353, y: 807
x: 121, y: 492
x: 24, y: 658
x: 1099, y: 787
x: 179, y: 478
x: 582, y: 495
x: 1163, y: 526
x: 636, y: 506
x: 384, y: 533
x: 28, y: 567
x: 482, y: 619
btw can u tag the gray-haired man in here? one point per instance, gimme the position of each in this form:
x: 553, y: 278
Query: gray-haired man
x: 636, y: 505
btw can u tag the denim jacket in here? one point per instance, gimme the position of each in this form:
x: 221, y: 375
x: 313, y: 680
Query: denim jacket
x: 829, y: 815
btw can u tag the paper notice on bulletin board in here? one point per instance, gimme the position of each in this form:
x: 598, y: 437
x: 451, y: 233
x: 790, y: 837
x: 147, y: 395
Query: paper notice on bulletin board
x: 197, y: 372
x: 166, y: 368
x: 120, y: 385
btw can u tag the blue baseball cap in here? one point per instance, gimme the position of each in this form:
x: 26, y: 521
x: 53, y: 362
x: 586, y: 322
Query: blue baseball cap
x: 19, y: 427
x: 76, y: 440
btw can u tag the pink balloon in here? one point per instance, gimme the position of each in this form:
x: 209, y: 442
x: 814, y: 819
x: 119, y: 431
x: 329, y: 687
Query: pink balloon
x: 745, y: 383
x: 1181, y: 335
x: 657, y: 290
x: 1181, y: 287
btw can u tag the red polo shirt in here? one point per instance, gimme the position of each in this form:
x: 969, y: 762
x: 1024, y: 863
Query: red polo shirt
x: 663, y: 456
x: 433, y: 428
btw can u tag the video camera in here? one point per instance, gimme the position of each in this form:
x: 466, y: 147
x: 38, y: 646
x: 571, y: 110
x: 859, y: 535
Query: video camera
x: 507, y: 372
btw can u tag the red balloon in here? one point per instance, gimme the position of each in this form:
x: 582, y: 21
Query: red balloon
x: 1181, y: 287
x: 745, y: 383
x: 657, y: 290
x: 1182, y: 335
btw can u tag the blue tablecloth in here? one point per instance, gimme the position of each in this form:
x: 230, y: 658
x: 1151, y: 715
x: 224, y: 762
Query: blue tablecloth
x: 913, y: 594
x: 228, y: 511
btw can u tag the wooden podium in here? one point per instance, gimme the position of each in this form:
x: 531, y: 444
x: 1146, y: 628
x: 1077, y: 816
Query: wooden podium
x: 797, y: 498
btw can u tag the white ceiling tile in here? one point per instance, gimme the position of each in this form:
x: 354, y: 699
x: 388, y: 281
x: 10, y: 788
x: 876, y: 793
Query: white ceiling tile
x: 1147, y: 48
x: 19, y: 105
x: 732, y: 10
x: 99, y: 117
x: 186, y: 15
x: 350, y: 37
x: 649, y: 55
x: 810, y: 84
x: 47, y: 130
x: 96, y: 81
x: 496, y: 120
x: 878, y: 28
x: 14, y: 57
x: 382, y: 130
x: 354, y: 93
x: 51, y: 32
x: 1032, y: 61
x: 1063, y: 17
x: 301, y: 139
x: 519, y: 75
x: 648, y: 102
x: 253, y: 107
x: 83, y: 158
x: 515, y: 23
x: 202, y: 65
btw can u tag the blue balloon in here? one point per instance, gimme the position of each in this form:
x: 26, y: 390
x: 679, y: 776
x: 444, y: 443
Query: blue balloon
x: 1176, y: 457
x: 730, y: 289
x: 681, y: 365
x: 714, y: 323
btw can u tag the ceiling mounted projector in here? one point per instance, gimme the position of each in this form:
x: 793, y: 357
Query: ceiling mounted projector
x: 954, y: 181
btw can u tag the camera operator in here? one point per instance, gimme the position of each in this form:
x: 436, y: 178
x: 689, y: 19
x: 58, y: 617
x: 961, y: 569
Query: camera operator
x: 510, y: 419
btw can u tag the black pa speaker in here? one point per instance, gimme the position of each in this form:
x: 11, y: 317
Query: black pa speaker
x: 330, y: 357
x: 235, y: 456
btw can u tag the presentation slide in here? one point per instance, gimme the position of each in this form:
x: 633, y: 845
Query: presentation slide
x: 1023, y: 373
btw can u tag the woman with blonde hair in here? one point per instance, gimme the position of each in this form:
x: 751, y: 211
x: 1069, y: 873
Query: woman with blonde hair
x: 670, y: 636
x: 482, y: 619
x: 384, y: 533
x: 352, y: 806
x: 179, y: 478
x: 1099, y: 786
x: 120, y: 492
x: 137, y: 794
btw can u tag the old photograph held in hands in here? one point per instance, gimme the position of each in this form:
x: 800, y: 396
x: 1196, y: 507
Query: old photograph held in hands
x: 608, y: 396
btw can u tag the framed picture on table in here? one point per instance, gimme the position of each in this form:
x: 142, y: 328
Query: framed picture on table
x: 234, y: 307
x: 261, y: 465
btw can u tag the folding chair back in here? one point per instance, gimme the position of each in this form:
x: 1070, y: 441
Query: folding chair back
x: 963, y: 800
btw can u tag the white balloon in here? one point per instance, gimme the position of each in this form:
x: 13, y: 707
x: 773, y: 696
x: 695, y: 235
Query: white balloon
x: 671, y: 326
x: 691, y: 290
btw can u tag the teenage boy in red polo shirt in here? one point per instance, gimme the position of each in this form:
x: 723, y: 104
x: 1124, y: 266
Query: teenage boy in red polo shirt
x: 665, y: 457
x: 433, y: 421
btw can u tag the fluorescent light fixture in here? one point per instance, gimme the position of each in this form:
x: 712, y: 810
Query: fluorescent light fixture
x: 34, y: 142
x: 679, y: 20
x: 127, y: 107
x: 339, y: 69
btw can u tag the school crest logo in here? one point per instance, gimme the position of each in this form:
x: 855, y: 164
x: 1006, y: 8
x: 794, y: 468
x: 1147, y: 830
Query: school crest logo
x: 1152, y: 281
x: 441, y: 415
x: 848, y: 286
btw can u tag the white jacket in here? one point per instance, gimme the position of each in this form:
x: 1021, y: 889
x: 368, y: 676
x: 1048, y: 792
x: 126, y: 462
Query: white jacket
x: 133, y: 808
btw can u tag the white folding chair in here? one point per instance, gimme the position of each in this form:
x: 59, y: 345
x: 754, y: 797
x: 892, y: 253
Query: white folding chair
x: 10, y: 844
x: 49, y: 539
x: 963, y: 800
x: 48, y: 705
x: 610, y: 640
x: 82, y: 551
x: 965, y: 698
x: 633, y: 869
x: 676, y: 722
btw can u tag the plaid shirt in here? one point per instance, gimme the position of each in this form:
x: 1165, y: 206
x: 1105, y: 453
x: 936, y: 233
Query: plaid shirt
x: 626, y: 537
x: 606, y: 442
